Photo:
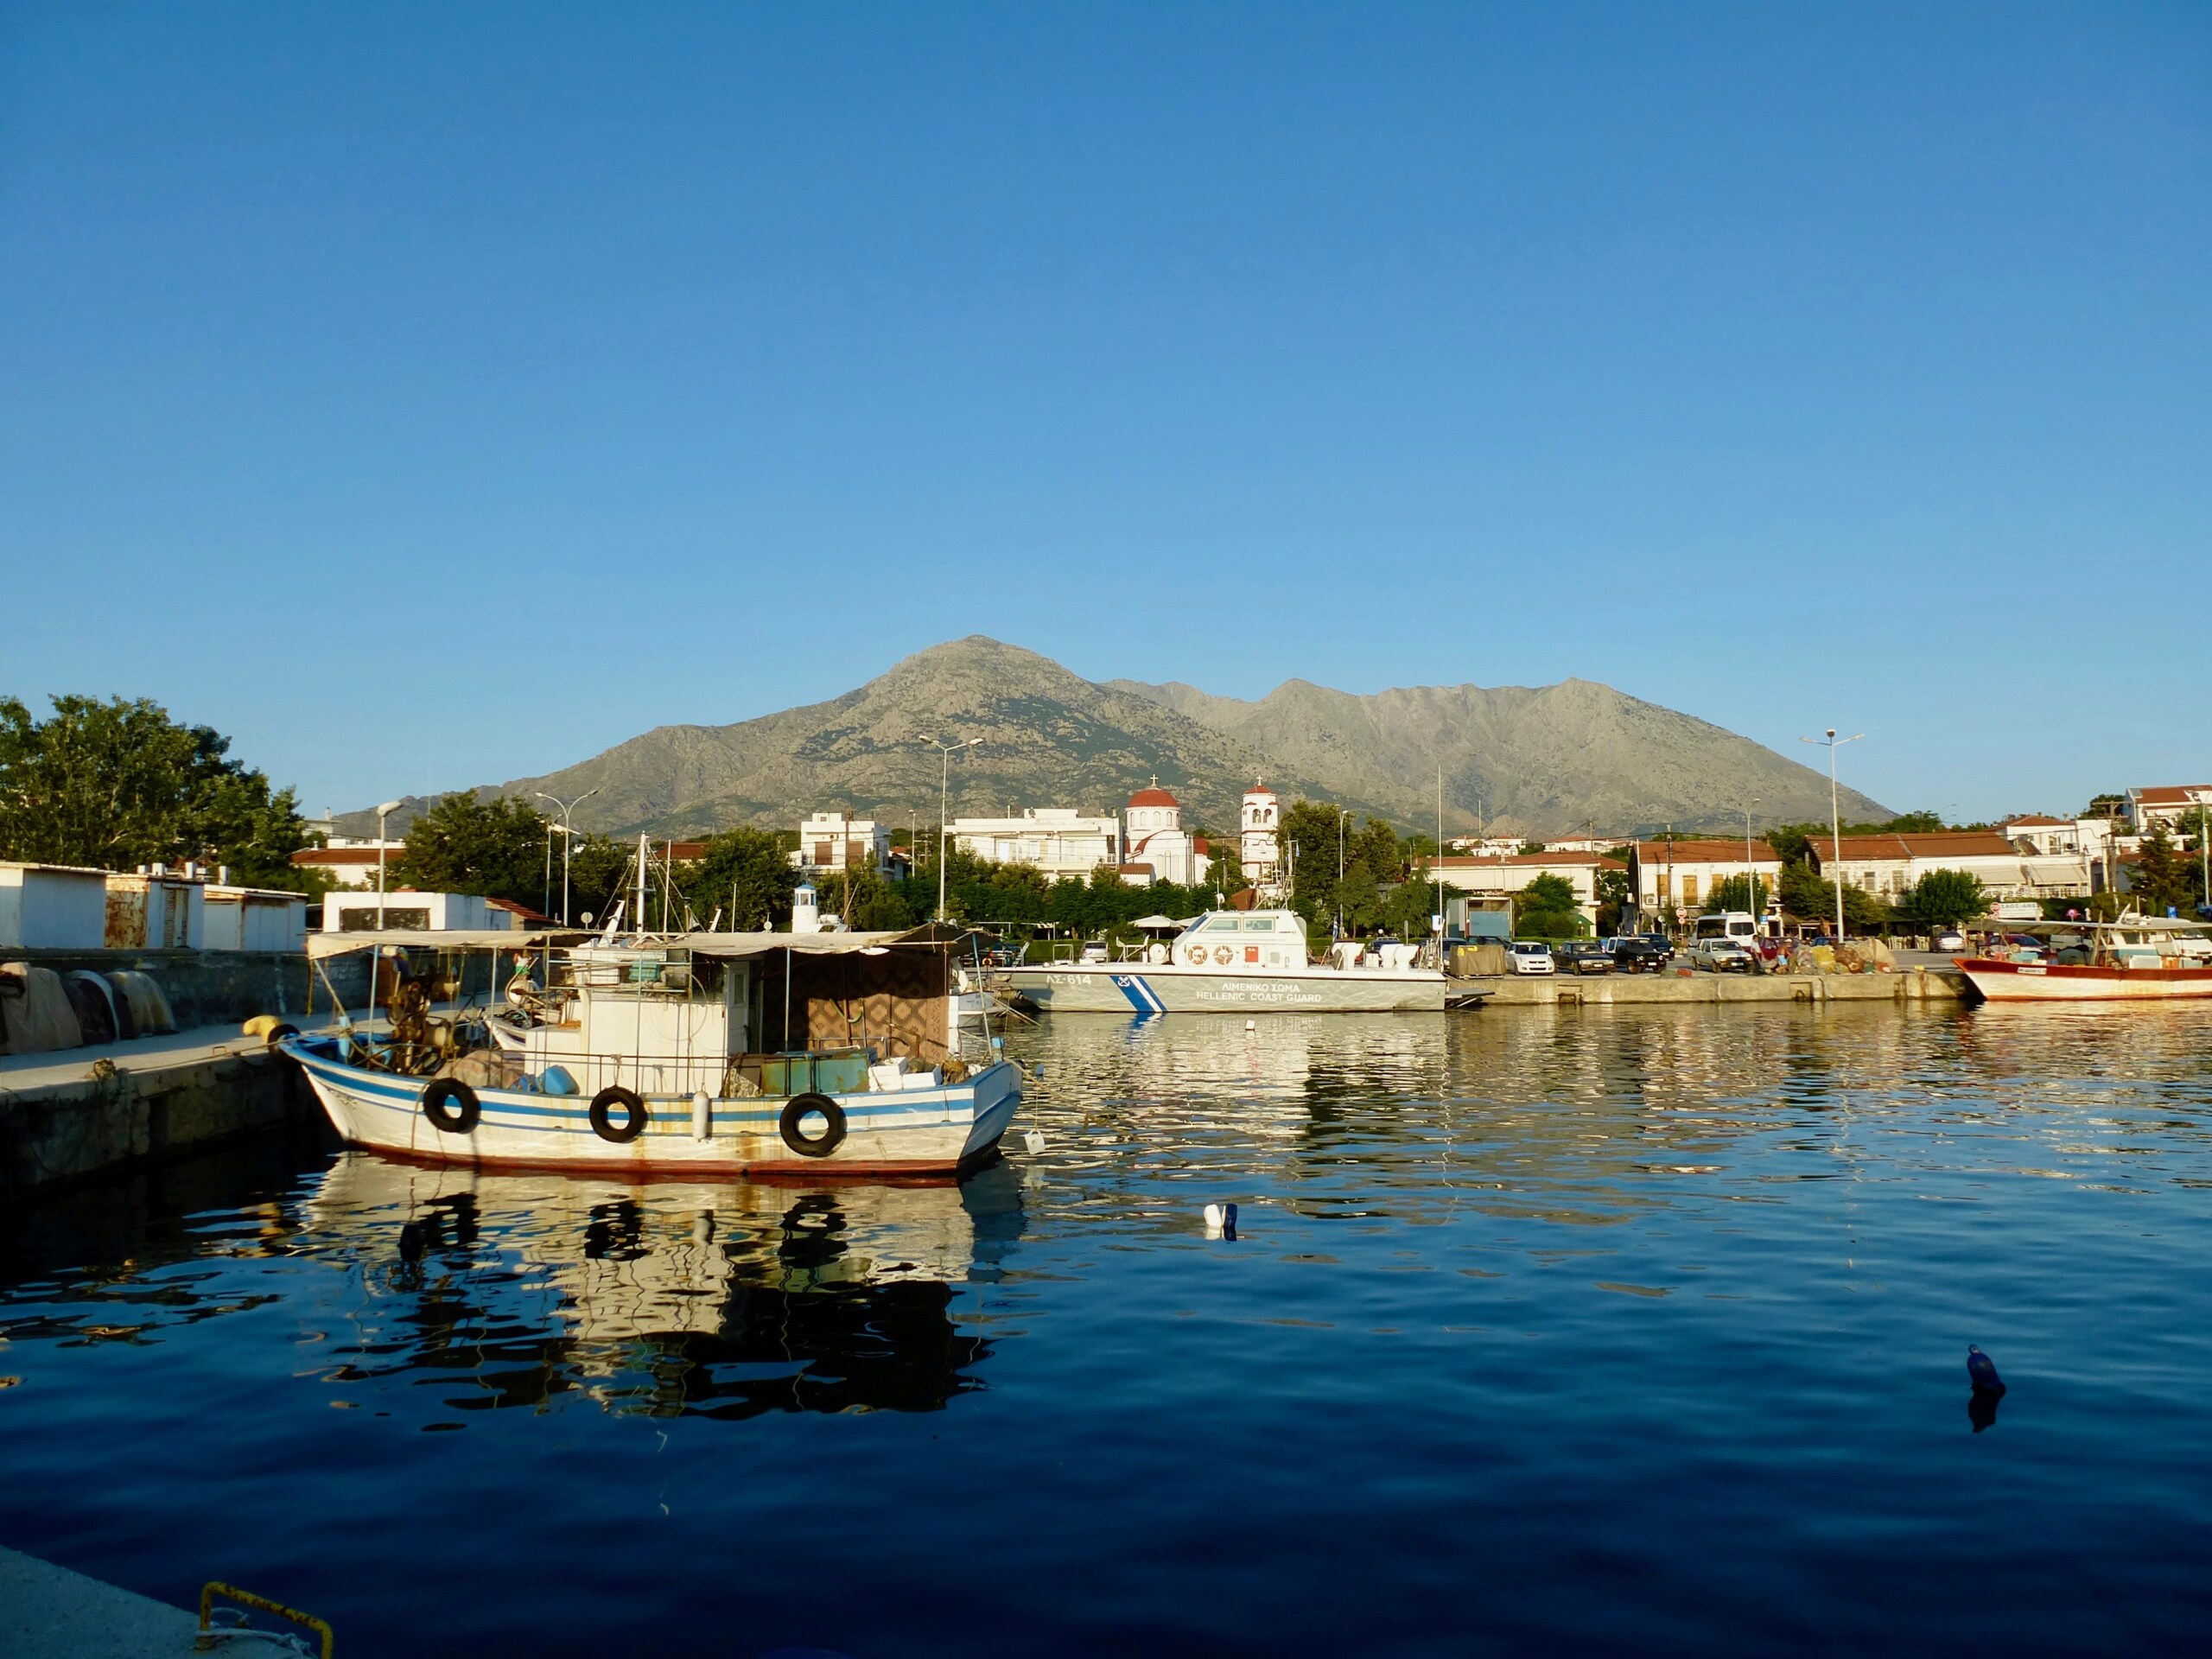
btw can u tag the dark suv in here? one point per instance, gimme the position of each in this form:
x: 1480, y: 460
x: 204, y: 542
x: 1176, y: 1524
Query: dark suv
x: 1639, y: 953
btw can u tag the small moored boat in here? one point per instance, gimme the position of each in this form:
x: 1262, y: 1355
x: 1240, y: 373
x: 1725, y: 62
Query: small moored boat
x: 825, y: 1054
x: 2136, y: 959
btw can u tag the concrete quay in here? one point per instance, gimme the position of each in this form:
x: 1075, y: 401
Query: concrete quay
x: 1917, y: 983
x: 81, y: 1111
x: 49, y: 1612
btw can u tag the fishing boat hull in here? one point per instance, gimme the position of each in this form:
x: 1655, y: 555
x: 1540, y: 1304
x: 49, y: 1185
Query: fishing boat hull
x: 935, y: 1130
x: 1147, y: 989
x: 2051, y: 981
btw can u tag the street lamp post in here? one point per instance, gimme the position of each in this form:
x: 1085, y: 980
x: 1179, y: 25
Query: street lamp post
x: 1751, y: 875
x: 567, y: 840
x: 383, y: 812
x: 1836, y: 818
x: 946, y: 752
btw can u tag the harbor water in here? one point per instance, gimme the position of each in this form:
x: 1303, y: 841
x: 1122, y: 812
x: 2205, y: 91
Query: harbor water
x: 1542, y: 1331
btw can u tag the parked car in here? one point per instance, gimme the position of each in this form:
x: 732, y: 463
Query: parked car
x: 1094, y: 952
x: 1720, y: 956
x: 1950, y: 939
x: 1637, y: 953
x: 1582, y: 957
x: 1530, y: 956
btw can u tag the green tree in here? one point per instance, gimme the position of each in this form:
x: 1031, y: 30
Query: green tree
x: 1942, y: 899
x: 2159, y: 878
x: 494, y: 848
x: 116, y: 785
x: 1545, y: 909
x: 747, y: 874
x: 1738, y: 893
x: 1810, y: 896
x: 1613, y: 898
x: 600, y: 872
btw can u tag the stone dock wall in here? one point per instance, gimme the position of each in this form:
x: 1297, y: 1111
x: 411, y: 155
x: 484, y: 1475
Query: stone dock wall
x: 1911, y: 985
x: 76, y: 1112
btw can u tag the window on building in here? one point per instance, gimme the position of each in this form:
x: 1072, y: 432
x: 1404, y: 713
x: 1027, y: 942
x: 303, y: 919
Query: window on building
x: 1689, y: 889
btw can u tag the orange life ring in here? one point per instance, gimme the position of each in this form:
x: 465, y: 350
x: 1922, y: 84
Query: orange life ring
x: 1222, y: 954
x: 1196, y: 956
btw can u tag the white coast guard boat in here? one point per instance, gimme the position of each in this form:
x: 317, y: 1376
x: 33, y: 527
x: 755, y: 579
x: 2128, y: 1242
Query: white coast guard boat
x: 703, y: 1054
x: 1236, y: 962
x: 2136, y: 959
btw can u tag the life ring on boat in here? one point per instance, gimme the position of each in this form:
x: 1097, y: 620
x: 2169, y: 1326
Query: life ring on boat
x: 798, y: 1110
x: 451, y: 1105
x: 634, y: 1115
x: 1196, y: 956
x: 1222, y: 954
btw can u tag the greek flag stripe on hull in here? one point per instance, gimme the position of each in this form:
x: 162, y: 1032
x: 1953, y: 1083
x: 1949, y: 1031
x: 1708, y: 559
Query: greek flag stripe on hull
x: 1140, y: 996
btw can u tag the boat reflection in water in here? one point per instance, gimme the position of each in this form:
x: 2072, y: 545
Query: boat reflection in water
x: 667, y: 1298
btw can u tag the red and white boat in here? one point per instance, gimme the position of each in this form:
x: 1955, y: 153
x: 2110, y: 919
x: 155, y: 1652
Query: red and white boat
x: 2136, y: 959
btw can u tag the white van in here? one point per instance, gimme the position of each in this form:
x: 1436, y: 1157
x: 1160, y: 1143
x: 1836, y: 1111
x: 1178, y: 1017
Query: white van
x: 1737, y: 925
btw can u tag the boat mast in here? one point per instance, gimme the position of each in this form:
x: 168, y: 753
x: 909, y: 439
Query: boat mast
x: 644, y: 861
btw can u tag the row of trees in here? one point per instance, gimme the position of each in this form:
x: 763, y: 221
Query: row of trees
x: 114, y: 784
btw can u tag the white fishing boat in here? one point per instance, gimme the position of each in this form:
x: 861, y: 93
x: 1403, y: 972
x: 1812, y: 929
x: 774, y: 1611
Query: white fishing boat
x: 700, y: 1053
x: 2136, y: 959
x: 1240, y: 962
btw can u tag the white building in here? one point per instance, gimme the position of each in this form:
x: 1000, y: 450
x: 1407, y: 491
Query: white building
x: 1259, y: 847
x: 1887, y: 866
x: 1587, y: 843
x: 1064, y: 843
x: 1671, y: 880
x: 407, y: 910
x: 1490, y: 883
x: 1157, y: 838
x: 834, y: 841
x: 2177, y: 807
x: 254, y: 918
x: 348, y: 862
x: 1486, y: 846
x: 52, y: 907
x: 2089, y: 842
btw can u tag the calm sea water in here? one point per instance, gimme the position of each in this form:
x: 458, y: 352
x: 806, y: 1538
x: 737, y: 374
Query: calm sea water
x: 1608, y: 1331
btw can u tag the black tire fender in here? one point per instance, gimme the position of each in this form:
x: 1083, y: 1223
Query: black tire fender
x: 796, y: 1111
x: 451, y: 1105
x: 634, y: 1119
x: 278, y: 1033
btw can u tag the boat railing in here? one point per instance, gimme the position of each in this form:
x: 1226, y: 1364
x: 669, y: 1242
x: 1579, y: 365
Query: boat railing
x: 736, y: 1076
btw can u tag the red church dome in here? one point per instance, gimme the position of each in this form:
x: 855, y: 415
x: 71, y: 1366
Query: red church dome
x: 1154, y: 796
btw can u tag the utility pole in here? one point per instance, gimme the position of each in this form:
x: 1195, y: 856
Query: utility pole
x: 1836, y: 820
x: 946, y: 751
x: 568, y: 844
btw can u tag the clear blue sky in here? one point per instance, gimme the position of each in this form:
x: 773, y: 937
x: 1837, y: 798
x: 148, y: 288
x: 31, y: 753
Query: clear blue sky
x: 432, y: 396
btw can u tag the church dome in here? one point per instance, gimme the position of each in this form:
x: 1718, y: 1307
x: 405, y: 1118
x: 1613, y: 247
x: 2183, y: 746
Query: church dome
x: 1154, y: 796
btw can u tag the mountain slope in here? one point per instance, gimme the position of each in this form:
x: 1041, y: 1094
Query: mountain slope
x: 1545, y: 760
x: 1535, y: 761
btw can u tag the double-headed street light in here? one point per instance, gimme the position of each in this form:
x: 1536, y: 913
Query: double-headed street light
x: 944, y: 785
x: 567, y: 840
x: 1836, y: 820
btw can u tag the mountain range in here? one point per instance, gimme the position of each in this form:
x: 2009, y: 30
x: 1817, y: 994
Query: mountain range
x: 1547, y: 761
